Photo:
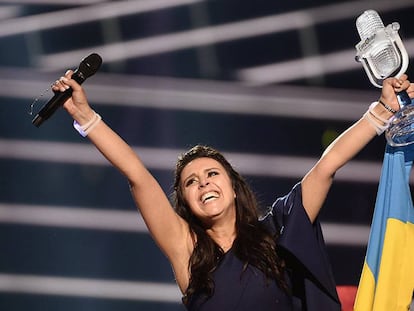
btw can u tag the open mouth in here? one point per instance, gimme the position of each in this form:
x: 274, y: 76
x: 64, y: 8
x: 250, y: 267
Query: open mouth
x: 209, y: 196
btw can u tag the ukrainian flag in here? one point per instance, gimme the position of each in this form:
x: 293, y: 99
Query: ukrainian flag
x: 387, y: 279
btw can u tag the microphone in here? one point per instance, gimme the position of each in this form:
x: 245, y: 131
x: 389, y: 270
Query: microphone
x: 380, y: 50
x: 87, y: 67
x: 383, y: 55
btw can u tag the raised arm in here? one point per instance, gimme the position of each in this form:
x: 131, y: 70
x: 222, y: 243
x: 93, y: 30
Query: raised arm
x: 316, y: 183
x: 169, y: 230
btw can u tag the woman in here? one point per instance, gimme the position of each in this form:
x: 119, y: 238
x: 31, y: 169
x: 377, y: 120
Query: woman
x: 225, y: 255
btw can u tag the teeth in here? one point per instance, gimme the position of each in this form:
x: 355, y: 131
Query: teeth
x: 209, y: 195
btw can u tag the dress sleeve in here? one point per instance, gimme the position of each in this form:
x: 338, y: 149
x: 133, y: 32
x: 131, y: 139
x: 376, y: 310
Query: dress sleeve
x: 302, y: 246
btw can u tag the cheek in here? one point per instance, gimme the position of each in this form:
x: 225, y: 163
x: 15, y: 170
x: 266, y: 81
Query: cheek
x: 229, y: 188
x: 188, y: 196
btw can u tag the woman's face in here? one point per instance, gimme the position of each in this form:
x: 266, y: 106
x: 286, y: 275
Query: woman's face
x: 208, y: 190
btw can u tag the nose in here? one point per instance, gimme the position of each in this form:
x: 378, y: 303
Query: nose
x: 203, y: 183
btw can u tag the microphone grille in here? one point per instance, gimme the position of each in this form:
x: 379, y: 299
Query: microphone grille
x: 368, y: 23
x: 90, y: 65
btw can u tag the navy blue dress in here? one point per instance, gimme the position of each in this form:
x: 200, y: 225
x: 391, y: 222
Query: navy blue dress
x: 309, y: 273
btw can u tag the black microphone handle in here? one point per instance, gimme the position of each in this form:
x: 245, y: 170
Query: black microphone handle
x: 49, y: 109
x: 88, y: 67
x: 56, y: 101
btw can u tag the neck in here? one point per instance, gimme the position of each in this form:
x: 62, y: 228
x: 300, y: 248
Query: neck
x: 224, y: 236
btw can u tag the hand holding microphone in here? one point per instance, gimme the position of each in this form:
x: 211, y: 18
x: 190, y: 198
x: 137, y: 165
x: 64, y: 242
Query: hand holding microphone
x: 88, y: 67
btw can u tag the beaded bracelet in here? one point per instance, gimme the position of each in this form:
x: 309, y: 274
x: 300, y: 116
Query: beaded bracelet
x: 387, y: 106
x: 373, y: 119
x: 85, y: 129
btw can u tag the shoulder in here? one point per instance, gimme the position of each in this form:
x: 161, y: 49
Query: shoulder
x: 285, y: 203
x: 282, y: 208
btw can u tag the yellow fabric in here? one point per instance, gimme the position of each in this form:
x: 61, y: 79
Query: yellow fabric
x: 366, y: 290
x: 394, y: 288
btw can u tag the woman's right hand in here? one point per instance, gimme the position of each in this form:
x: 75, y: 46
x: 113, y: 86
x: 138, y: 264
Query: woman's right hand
x: 77, y: 105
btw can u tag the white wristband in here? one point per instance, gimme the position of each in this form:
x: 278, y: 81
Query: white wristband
x: 374, y: 119
x: 85, y: 129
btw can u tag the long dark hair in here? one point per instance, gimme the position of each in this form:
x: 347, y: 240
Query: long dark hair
x: 253, y: 244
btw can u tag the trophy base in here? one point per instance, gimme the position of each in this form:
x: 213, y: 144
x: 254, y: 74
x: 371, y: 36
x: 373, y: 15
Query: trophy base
x: 401, y: 130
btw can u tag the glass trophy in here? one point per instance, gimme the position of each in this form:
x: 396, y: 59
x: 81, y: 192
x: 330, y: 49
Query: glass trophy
x: 383, y: 55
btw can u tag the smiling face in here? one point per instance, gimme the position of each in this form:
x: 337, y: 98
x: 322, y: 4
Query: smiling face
x: 208, y: 190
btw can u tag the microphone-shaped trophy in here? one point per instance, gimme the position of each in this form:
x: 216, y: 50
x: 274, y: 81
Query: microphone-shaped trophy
x: 383, y: 55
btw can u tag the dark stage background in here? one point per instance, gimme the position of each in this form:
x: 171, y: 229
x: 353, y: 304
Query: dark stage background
x: 269, y: 83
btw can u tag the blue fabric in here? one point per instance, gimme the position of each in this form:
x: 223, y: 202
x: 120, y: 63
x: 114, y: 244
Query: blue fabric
x: 309, y: 274
x: 387, y: 278
x: 303, y: 247
x: 241, y: 291
x: 394, y: 187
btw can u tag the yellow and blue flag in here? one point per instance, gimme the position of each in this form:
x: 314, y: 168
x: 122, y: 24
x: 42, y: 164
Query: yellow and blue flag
x: 387, y: 279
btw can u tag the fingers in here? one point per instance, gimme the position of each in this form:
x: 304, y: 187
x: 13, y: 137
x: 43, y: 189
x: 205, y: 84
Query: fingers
x: 410, y: 90
x: 406, y: 86
x: 59, y: 85
x: 65, y: 82
x: 392, y: 86
x: 402, y: 85
x: 398, y: 84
